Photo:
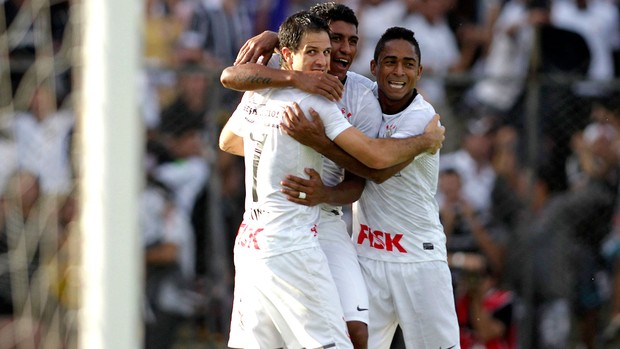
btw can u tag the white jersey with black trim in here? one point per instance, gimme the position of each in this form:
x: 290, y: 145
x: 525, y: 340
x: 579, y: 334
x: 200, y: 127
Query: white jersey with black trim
x: 272, y: 224
x: 360, y: 108
x: 398, y: 220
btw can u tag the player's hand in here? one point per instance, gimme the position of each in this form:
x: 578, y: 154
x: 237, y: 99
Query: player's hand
x: 436, y: 133
x: 296, y: 124
x: 261, y: 45
x: 314, y: 188
x: 319, y: 83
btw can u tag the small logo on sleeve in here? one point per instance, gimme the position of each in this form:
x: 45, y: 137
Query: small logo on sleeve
x: 428, y: 246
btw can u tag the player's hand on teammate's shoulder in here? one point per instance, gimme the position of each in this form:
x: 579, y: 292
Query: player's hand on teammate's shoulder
x: 436, y: 133
x: 258, y: 49
x: 310, y: 133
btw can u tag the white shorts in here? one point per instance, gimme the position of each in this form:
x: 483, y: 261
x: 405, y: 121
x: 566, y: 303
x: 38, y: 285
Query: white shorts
x: 288, y: 300
x: 416, y: 296
x: 344, y: 266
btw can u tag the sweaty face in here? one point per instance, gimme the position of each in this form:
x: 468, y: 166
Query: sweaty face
x: 397, y: 72
x: 313, y: 53
x: 344, y: 47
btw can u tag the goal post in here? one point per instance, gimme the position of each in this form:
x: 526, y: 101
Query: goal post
x: 111, y: 142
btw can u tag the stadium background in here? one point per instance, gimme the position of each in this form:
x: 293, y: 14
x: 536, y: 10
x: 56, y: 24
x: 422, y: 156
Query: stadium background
x: 184, y: 46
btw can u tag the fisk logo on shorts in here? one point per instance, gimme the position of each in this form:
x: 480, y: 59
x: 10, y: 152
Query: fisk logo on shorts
x: 246, y: 237
x: 380, y: 240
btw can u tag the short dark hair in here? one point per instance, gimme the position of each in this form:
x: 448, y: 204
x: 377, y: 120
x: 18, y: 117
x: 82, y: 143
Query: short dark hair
x: 331, y: 11
x: 395, y: 33
x: 297, y: 25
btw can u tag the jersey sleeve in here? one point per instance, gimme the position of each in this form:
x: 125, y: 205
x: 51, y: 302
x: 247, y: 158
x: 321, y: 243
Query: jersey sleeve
x: 368, y: 116
x: 235, y: 122
x: 331, y: 116
x: 415, y: 121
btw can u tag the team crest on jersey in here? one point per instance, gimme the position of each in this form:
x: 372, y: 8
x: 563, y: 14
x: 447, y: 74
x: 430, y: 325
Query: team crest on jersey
x: 347, y: 115
x: 390, y: 129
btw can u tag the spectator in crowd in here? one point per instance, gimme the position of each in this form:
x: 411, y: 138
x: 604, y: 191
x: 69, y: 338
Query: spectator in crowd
x: 442, y: 55
x: 167, y: 239
x: 21, y: 234
x: 216, y: 31
x: 506, y: 66
x: 473, y: 22
x: 608, y: 110
x: 597, y: 21
x: 191, y: 103
x: 545, y: 322
x: 471, y: 244
x: 19, y: 19
x: 164, y: 22
x: 374, y: 16
x: 554, y: 260
x: 472, y: 160
x: 180, y: 158
x: 42, y: 135
x: 485, y: 311
x: 269, y: 14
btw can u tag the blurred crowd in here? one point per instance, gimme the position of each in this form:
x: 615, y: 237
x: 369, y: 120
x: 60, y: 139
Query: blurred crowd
x: 529, y: 92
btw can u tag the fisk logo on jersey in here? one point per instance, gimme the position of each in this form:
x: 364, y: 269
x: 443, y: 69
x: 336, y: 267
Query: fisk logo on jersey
x: 246, y: 237
x: 380, y: 240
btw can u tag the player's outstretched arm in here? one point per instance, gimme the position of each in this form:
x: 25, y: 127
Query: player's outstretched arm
x: 381, y: 153
x: 312, y: 134
x: 252, y: 76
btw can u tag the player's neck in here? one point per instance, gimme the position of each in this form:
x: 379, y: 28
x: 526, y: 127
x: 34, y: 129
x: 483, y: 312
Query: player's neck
x: 391, y: 106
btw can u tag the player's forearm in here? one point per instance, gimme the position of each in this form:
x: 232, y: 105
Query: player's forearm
x: 252, y: 76
x: 333, y: 152
x: 393, y: 151
x: 230, y: 143
x: 346, y: 192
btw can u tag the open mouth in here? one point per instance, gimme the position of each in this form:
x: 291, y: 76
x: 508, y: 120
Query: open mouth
x: 341, y: 63
x: 397, y: 85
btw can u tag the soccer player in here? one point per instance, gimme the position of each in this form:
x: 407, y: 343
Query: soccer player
x: 284, y: 292
x: 400, y: 241
x: 360, y: 107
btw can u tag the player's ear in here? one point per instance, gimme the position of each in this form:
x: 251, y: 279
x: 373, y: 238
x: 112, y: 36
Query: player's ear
x: 373, y: 67
x: 287, y: 56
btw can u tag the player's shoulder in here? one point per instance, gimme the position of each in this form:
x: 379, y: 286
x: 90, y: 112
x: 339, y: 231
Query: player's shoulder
x: 420, y: 105
x: 356, y: 80
x: 359, y: 87
x: 314, y: 101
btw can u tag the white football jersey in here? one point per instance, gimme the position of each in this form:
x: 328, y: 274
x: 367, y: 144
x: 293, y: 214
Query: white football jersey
x: 398, y: 220
x: 360, y: 108
x: 272, y: 224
